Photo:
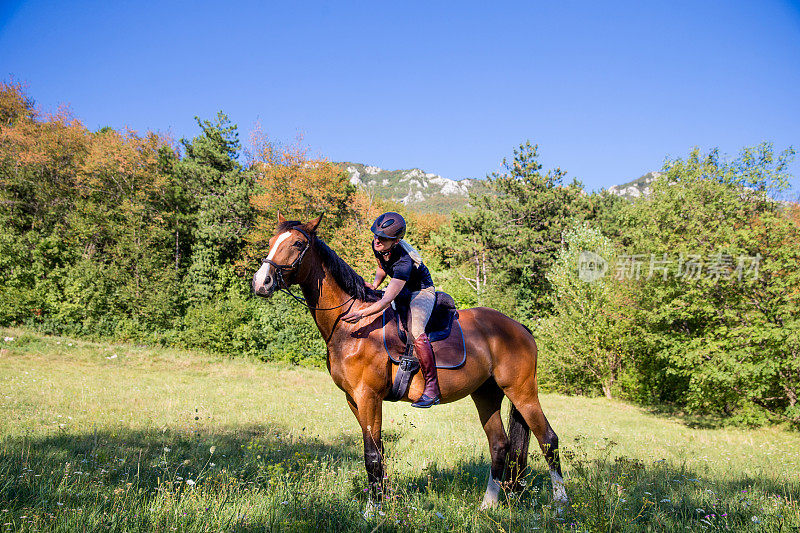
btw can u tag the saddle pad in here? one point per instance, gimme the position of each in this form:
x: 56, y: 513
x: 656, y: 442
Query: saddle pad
x: 450, y: 352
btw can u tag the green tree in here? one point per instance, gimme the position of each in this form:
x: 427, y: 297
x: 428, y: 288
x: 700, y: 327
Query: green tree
x: 40, y: 156
x: 512, y: 235
x: 217, y: 213
x: 584, y: 340
x: 718, y: 332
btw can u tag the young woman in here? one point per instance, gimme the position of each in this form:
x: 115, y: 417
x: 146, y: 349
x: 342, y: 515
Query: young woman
x: 411, y: 281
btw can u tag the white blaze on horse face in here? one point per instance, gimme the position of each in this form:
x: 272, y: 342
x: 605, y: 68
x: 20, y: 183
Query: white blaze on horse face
x: 265, y: 272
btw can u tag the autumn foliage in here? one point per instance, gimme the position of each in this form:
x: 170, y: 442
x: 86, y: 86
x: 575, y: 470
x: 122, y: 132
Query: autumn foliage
x: 291, y: 181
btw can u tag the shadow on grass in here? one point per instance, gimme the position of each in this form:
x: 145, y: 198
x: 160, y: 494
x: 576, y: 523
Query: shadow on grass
x: 617, y: 493
x: 116, y: 458
x: 275, y: 471
x: 622, y: 493
x: 91, y: 474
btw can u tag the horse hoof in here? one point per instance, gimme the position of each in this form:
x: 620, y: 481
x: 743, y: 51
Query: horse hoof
x: 488, y: 504
x: 561, y: 507
x: 372, y: 511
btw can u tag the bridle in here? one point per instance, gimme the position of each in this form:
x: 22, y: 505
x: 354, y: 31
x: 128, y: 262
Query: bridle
x: 284, y: 287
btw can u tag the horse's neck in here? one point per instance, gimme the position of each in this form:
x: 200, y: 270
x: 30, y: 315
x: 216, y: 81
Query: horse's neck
x: 321, y: 290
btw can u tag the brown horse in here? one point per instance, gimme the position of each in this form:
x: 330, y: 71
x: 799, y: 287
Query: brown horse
x: 501, y: 360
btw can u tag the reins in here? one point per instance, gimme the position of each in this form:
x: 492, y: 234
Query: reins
x: 284, y: 287
x: 303, y: 300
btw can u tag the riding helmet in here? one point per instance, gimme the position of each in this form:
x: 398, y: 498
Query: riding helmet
x: 389, y: 226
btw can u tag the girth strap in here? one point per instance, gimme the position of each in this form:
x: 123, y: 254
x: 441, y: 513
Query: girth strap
x: 406, y: 369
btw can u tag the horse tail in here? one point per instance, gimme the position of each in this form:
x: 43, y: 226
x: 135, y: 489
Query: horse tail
x: 519, y: 435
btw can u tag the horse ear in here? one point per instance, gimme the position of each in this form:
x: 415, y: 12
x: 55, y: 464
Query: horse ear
x: 311, y: 227
x: 281, y: 220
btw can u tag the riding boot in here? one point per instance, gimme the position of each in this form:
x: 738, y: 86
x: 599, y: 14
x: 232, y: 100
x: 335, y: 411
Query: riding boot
x: 427, y: 362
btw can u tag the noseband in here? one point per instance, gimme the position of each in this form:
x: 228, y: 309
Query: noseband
x: 284, y: 287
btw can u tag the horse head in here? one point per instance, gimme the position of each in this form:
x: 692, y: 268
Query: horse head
x: 287, y: 250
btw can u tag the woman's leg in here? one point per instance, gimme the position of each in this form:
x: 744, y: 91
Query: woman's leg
x: 420, y: 311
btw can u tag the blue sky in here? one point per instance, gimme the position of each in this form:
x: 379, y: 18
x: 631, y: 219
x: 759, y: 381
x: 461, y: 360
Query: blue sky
x: 607, y: 90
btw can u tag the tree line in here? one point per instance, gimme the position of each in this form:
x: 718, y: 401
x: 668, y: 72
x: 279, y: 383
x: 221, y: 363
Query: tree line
x: 687, y: 297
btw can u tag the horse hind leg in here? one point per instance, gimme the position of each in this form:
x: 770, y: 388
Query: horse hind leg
x: 548, y: 442
x: 488, y: 400
x: 531, y: 411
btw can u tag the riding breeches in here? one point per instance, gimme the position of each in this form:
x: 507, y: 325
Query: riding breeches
x: 421, y: 307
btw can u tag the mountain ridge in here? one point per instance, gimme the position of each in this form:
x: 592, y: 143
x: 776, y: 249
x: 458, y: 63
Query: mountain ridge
x: 636, y: 188
x: 431, y: 193
x: 423, y: 191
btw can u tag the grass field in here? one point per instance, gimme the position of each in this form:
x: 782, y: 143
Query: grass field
x: 121, y: 437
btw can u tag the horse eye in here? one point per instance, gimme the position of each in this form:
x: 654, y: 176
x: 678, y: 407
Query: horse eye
x: 298, y: 244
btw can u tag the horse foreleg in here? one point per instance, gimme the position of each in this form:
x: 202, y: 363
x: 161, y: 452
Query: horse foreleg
x: 368, y: 409
x: 488, y: 399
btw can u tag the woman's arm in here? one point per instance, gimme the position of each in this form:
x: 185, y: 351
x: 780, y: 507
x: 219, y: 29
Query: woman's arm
x: 380, y: 275
x: 392, y: 290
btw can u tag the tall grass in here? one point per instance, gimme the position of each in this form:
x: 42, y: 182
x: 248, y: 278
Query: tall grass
x: 129, y: 438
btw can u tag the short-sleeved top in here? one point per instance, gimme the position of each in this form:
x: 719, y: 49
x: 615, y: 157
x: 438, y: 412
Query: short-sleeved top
x: 399, y: 265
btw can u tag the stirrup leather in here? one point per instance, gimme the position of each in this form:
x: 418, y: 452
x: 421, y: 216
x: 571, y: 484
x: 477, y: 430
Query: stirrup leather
x: 409, y: 365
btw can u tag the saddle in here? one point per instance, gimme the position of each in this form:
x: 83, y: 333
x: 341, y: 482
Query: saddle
x: 444, y: 333
x: 443, y: 329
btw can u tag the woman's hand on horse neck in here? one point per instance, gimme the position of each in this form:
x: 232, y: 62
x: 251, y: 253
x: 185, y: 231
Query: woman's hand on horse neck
x: 392, y: 290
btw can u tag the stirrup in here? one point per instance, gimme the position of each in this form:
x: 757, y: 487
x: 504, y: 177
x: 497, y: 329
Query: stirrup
x: 426, y: 401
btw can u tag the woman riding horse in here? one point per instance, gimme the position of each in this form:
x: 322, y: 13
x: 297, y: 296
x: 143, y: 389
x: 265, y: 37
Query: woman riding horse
x: 500, y: 359
x: 412, y: 283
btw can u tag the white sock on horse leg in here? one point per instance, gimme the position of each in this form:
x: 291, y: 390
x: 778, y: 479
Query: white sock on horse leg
x: 559, y: 490
x: 492, y: 495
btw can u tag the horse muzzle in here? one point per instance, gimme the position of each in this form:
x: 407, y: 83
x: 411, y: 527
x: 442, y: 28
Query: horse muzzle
x: 264, y: 291
x: 264, y: 282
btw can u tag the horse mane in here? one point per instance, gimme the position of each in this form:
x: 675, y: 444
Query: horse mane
x: 342, y: 273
